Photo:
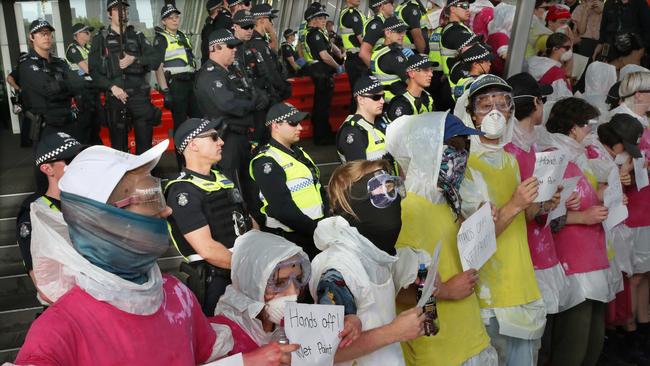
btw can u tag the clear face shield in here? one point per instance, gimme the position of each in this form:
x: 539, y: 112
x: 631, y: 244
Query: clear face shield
x: 382, y: 189
x: 147, y: 192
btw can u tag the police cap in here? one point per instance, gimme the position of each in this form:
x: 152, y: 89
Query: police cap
x: 211, y: 4
x: 315, y: 12
x: 56, y: 146
x: 191, y: 128
x: 395, y: 24
x: 168, y: 10
x: 243, y: 18
x: 282, y: 112
x: 112, y: 3
x: 418, y: 62
x: 288, y: 32
x: 39, y: 24
x: 264, y: 11
x: 366, y: 85
x: 221, y: 36
x: 80, y: 27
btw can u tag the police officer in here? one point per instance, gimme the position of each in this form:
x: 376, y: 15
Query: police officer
x: 223, y: 92
x: 388, y: 62
x: 289, y: 181
x: 47, y: 85
x: 119, y: 62
x: 414, y: 14
x: 88, y: 101
x: 351, y: 22
x: 472, y: 63
x: 264, y: 31
x: 53, y: 153
x: 415, y: 100
x: 318, y: 51
x: 455, y: 35
x: 289, y: 55
x: 175, y: 75
x: 303, y: 28
x: 208, y: 212
x: 360, y: 137
x: 216, y: 9
x: 373, y: 29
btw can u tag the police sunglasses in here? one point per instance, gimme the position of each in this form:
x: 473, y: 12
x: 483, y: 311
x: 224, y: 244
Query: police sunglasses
x: 292, y: 123
x: 375, y: 97
x: 248, y: 27
x: 213, y: 135
x: 462, y: 5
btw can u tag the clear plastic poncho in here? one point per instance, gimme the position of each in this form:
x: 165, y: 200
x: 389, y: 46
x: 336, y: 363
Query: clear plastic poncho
x: 599, y: 78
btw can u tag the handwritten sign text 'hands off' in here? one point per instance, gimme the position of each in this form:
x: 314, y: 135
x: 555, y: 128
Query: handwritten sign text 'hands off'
x: 316, y: 328
x: 477, y: 239
x: 549, y: 170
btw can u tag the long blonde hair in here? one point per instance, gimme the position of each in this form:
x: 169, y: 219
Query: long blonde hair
x: 344, y: 176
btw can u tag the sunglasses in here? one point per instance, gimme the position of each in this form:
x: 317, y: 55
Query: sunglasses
x: 248, y: 27
x: 292, y: 123
x: 213, y: 135
x: 566, y: 48
x: 375, y: 97
x: 462, y: 5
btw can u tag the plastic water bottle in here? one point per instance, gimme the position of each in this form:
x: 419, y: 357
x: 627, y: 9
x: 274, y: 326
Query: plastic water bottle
x: 431, y: 323
x: 279, y: 335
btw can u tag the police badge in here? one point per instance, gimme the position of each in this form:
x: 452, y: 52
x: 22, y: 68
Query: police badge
x: 182, y: 199
x: 267, y: 168
x: 349, y: 138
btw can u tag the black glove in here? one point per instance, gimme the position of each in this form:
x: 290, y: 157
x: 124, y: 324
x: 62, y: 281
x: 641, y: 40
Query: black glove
x: 168, y: 101
x: 260, y: 99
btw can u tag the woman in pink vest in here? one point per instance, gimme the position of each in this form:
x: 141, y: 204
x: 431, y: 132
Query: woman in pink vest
x: 549, y: 68
x: 579, y: 238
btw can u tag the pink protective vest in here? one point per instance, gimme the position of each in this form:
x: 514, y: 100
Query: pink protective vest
x: 243, y: 342
x: 581, y: 248
x: 555, y: 73
x: 639, y: 200
x: 540, y: 238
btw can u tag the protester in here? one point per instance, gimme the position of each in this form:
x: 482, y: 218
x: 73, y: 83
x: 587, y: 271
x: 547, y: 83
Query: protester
x: 599, y: 78
x: 549, y: 68
x: 538, y: 26
x: 498, y: 37
x: 432, y: 147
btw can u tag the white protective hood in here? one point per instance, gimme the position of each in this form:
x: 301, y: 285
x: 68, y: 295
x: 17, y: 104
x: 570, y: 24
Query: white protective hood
x: 630, y: 68
x: 599, y: 78
x: 58, y: 267
x: 504, y: 17
x: 255, y: 256
x: 416, y: 143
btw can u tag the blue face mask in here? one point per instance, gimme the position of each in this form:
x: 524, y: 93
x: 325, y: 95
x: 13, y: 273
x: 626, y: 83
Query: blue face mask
x: 118, y: 241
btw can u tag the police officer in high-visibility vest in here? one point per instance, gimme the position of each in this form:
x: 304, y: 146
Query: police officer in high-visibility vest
x: 414, y: 14
x: 373, y: 29
x: 317, y: 51
x: 472, y: 63
x: 288, y: 54
x: 303, y: 28
x: 289, y: 180
x: 388, y: 62
x: 53, y: 153
x: 208, y: 212
x: 360, y: 137
x: 351, y: 22
x: 87, y: 101
x: 456, y: 35
x: 415, y: 100
x: 176, y: 73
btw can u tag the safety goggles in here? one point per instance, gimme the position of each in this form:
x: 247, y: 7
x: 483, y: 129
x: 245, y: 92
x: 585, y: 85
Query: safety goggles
x: 538, y: 98
x: 462, y: 5
x: 212, y: 135
x: 501, y: 101
x: 382, y: 189
x: 375, y: 97
x: 278, y: 284
x: 148, y: 192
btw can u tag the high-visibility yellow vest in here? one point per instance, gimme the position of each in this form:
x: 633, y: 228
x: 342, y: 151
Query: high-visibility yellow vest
x: 424, y: 108
x: 347, y: 34
x: 384, y: 78
x: 447, y: 53
x: 376, y: 148
x: 459, y: 87
x: 178, y: 59
x: 306, y: 52
x: 434, y: 49
x: 49, y: 203
x: 305, y: 190
x: 424, y: 20
x: 507, y: 278
x: 84, y: 51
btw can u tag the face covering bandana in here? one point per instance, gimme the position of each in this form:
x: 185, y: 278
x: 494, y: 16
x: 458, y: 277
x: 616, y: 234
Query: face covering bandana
x: 118, y: 241
x: 493, y: 124
x: 379, y: 216
x: 622, y: 158
x: 275, y: 308
x: 452, y: 172
x: 566, y: 56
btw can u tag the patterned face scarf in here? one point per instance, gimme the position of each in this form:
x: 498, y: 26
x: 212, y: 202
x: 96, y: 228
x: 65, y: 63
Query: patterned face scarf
x: 452, y: 171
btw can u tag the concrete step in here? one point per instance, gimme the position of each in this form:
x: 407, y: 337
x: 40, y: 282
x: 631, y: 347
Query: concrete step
x: 7, y: 231
x: 10, y: 203
x: 14, y: 325
x: 11, y: 261
x: 8, y: 355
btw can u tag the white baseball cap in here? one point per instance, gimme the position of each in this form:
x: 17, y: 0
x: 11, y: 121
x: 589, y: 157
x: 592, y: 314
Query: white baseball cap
x: 95, y: 172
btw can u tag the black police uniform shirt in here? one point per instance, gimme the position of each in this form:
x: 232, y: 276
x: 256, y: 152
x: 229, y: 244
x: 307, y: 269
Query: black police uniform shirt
x: 317, y: 43
x: 272, y: 181
x: 105, y: 75
x: 185, y: 199
x: 269, y: 69
x: 287, y: 50
x: 222, y: 20
x: 394, y: 63
x: 352, y: 141
x: 24, y: 227
x: 400, y: 106
x: 412, y: 14
x: 451, y: 37
x: 353, y: 20
x: 374, y: 31
x: 47, y: 86
x: 220, y: 93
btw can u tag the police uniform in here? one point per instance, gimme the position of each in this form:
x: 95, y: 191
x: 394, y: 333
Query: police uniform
x: 179, y: 66
x: 47, y: 88
x: 373, y: 29
x: 198, y: 200
x: 388, y: 62
x: 288, y: 50
x: 289, y: 183
x: 351, y: 22
x: 414, y: 14
x: 453, y: 38
x: 223, y: 19
x: 407, y: 104
x: 87, y: 102
x: 460, y: 78
x: 105, y: 71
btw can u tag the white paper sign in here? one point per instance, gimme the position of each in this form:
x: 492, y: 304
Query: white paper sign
x: 549, y: 170
x: 477, y: 239
x: 569, y: 186
x: 316, y: 328
x: 640, y: 172
x: 613, y: 200
x: 430, y: 281
x: 580, y: 63
x: 234, y: 360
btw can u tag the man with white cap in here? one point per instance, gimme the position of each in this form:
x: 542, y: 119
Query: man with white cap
x: 208, y: 211
x: 99, y: 267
